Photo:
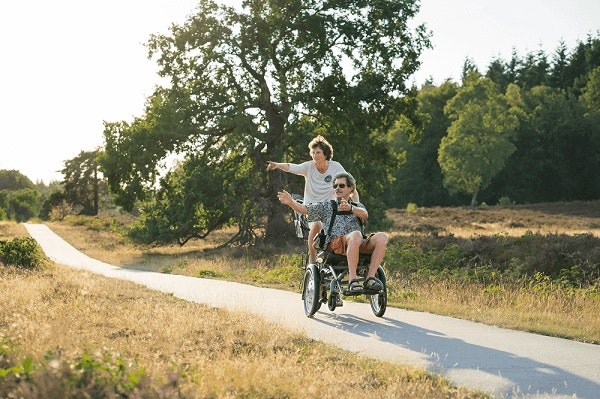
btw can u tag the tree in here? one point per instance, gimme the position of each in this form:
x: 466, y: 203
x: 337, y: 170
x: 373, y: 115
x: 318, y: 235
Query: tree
x: 468, y: 69
x: 18, y: 198
x: 590, y: 95
x: 419, y: 178
x: 14, y: 180
x: 479, y: 139
x: 590, y: 100
x: 559, y: 64
x: 584, y: 58
x: 23, y: 204
x: 194, y: 201
x: 498, y: 73
x: 534, y: 70
x: 260, y: 80
x: 557, y: 151
x: 82, y: 183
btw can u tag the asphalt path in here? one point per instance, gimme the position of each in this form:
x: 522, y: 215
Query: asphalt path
x: 501, y: 362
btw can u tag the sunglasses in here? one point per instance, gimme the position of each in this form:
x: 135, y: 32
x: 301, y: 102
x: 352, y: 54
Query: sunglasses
x: 341, y: 185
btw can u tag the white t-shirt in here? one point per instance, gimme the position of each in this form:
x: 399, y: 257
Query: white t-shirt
x: 317, y: 186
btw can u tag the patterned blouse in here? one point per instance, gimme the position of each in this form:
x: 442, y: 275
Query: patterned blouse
x: 344, y: 223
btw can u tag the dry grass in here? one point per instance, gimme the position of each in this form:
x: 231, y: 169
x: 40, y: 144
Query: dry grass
x: 215, y: 353
x: 541, y: 308
x: 535, y: 306
x: 572, y: 314
x: 571, y: 218
x: 198, y: 258
x: 112, y: 248
x: 194, y: 350
x: 10, y: 230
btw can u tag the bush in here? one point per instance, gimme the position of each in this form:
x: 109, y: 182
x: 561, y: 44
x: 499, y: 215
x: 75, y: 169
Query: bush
x: 505, y: 201
x: 572, y: 261
x: 22, y: 252
x: 88, y: 376
x: 411, y: 207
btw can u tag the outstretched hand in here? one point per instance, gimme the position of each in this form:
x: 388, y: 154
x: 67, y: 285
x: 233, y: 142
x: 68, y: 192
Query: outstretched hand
x: 285, y: 197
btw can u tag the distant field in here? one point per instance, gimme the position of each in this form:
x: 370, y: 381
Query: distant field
x: 577, y: 217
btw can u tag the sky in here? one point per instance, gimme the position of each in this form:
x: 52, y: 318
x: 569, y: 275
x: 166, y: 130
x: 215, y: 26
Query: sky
x: 69, y: 65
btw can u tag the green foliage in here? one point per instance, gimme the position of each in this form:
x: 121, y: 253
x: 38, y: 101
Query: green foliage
x: 278, y: 275
x: 409, y: 257
x: 21, y: 205
x: 590, y: 95
x: 243, y: 80
x: 21, y: 252
x: 543, y: 167
x: 20, y: 199
x: 493, y: 290
x: 208, y: 274
x: 505, y: 201
x: 13, y: 180
x: 479, y: 140
x: 101, y: 375
x: 118, y: 225
x: 555, y: 105
x: 7, y: 364
x: 200, y: 196
x: 419, y: 178
x: 565, y: 261
x: 23, y: 369
x: 83, y: 184
x: 85, y: 190
x: 411, y: 207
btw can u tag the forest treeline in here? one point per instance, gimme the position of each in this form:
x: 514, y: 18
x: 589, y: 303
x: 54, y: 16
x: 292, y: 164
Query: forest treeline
x: 523, y: 130
x: 556, y: 154
x: 554, y: 146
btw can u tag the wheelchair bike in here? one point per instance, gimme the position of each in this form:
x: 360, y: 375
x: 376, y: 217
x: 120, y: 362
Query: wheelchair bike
x: 325, y: 281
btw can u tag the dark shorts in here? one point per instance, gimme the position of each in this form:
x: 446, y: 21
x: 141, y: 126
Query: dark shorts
x: 338, y: 245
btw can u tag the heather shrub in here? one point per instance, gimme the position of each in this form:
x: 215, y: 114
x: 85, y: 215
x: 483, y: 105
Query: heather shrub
x: 21, y: 252
x: 572, y: 261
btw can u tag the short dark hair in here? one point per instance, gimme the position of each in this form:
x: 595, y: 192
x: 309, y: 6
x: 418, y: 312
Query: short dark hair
x: 323, y: 144
x: 349, y: 178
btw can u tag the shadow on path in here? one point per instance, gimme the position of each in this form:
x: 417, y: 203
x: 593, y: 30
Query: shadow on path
x: 470, y: 364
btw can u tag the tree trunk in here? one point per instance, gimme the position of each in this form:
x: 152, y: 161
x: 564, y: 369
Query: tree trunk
x: 278, y: 224
x: 474, y: 198
x: 96, y: 192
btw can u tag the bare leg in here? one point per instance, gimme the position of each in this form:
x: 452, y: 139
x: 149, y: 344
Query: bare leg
x: 353, y: 241
x: 315, y: 228
x: 377, y: 244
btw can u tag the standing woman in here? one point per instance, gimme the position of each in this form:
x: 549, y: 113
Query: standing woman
x: 318, y: 180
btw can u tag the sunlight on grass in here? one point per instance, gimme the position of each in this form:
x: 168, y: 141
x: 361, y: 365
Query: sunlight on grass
x: 568, y: 314
x: 127, y: 336
x: 565, y: 313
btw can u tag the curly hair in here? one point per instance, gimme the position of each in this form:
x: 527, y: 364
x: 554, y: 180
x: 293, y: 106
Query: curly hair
x: 323, y: 144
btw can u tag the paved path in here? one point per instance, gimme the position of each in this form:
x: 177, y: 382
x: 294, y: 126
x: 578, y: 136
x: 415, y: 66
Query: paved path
x: 502, y: 362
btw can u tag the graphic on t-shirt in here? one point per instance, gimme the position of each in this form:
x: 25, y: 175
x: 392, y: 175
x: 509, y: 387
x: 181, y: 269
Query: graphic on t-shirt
x: 328, y: 178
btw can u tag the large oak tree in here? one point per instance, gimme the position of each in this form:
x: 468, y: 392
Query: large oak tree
x: 259, y: 81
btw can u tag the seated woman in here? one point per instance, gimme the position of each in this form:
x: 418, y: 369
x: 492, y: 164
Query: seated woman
x: 346, y: 236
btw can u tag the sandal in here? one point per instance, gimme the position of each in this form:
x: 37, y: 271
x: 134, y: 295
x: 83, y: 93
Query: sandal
x: 354, y: 285
x: 373, y: 284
